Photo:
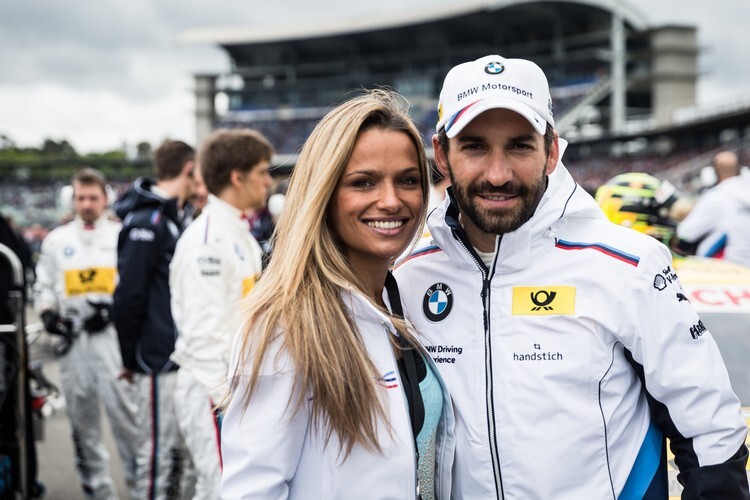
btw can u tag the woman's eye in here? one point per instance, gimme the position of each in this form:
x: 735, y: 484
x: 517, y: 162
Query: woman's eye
x: 361, y: 183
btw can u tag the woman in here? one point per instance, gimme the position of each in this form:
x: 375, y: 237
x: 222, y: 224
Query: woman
x: 327, y: 387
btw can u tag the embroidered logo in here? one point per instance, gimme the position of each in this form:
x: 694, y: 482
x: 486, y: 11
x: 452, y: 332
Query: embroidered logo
x: 437, y: 302
x: 389, y: 380
x: 494, y: 68
x: 532, y: 300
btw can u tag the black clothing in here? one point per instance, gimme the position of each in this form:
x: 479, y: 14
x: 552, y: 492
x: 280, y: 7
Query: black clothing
x: 141, y: 307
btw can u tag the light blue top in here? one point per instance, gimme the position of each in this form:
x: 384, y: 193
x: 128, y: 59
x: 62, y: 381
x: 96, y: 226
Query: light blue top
x: 432, y: 396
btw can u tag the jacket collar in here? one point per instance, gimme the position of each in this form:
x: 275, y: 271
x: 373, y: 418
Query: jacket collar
x: 363, y: 309
x: 225, y: 212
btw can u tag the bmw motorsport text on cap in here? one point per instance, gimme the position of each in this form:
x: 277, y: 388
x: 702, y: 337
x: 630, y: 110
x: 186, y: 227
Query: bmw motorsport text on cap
x: 492, y: 82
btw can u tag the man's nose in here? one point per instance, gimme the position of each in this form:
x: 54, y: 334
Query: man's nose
x: 499, y: 169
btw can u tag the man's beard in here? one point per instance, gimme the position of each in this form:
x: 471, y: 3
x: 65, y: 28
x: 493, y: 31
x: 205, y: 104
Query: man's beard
x: 89, y: 216
x: 499, y: 221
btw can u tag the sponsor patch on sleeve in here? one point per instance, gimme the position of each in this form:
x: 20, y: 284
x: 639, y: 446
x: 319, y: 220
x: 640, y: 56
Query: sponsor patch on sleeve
x: 141, y: 234
x: 543, y: 300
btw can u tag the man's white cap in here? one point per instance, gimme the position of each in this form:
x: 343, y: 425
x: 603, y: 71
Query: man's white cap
x: 492, y: 82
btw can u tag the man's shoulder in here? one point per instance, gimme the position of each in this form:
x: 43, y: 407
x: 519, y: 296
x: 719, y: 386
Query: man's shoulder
x: 140, y: 216
x: 607, y: 238
x: 426, y: 252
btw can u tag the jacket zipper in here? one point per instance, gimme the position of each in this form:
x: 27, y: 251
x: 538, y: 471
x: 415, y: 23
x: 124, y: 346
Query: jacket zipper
x: 489, y: 397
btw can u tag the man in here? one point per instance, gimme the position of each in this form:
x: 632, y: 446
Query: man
x: 197, y: 200
x: 719, y: 223
x: 215, y: 264
x: 563, y: 338
x: 76, y: 276
x: 151, y: 226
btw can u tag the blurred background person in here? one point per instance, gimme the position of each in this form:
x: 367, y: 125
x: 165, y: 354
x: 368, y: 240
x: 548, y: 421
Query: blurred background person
x: 216, y: 263
x: 718, y: 225
x: 197, y: 199
x: 331, y: 398
x: 151, y: 212
x: 76, y: 277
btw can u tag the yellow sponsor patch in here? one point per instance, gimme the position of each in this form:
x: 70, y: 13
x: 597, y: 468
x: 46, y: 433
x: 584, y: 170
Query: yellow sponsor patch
x: 543, y: 300
x: 248, y: 284
x: 91, y: 280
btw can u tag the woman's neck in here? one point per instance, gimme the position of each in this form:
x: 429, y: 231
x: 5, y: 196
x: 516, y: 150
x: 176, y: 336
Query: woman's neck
x: 372, y: 279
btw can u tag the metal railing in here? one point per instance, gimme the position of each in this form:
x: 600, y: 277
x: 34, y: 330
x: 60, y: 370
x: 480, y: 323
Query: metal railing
x: 16, y: 329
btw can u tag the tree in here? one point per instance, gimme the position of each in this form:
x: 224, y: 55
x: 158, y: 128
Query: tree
x: 143, y: 151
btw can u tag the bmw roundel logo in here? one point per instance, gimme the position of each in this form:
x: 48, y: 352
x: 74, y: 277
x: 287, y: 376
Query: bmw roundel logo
x: 68, y: 251
x: 494, y: 68
x: 437, y: 302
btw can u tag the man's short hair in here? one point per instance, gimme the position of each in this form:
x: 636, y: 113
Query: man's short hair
x: 170, y: 157
x: 88, y: 176
x: 227, y: 150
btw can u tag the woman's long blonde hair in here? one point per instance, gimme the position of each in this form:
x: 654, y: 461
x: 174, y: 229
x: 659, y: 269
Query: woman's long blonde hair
x: 298, y: 297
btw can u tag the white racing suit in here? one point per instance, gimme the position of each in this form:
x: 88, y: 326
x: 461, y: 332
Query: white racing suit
x: 78, y: 266
x: 570, y: 357
x: 216, y: 263
x: 720, y: 221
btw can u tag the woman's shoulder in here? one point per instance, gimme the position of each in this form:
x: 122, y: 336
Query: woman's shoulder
x: 275, y: 356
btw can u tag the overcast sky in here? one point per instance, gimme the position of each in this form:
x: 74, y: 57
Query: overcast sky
x: 103, y: 73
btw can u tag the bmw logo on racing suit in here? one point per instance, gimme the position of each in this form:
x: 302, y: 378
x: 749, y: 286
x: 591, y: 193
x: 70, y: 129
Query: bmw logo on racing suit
x: 437, y: 302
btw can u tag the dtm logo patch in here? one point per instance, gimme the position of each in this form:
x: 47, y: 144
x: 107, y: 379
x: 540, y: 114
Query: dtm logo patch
x: 437, y: 302
x: 534, y: 300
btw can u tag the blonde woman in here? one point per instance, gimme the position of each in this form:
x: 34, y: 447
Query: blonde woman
x: 331, y: 396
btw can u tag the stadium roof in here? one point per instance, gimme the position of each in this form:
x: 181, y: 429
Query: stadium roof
x: 235, y: 35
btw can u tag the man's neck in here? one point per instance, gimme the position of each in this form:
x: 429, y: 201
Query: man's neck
x: 173, y: 189
x: 484, y: 242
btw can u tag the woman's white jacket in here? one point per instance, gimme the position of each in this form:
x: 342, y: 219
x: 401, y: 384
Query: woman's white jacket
x: 271, y: 452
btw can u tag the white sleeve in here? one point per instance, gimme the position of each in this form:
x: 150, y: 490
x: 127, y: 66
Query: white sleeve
x: 690, y: 395
x: 261, y: 444
x: 702, y: 219
x: 47, y: 273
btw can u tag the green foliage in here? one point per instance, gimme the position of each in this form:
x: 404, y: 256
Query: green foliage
x: 59, y: 161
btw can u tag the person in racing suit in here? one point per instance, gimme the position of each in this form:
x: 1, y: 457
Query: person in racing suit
x: 719, y: 223
x: 76, y: 276
x: 151, y: 226
x: 566, y: 341
x: 216, y: 263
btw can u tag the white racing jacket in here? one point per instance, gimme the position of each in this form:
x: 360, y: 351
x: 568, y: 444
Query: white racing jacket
x: 720, y: 221
x: 272, y: 453
x: 571, y: 358
x: 216, y: 263
x: 77, y: 265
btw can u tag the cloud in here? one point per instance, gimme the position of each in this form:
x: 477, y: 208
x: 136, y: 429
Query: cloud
x: 102, y: 72
x: 48, y: 110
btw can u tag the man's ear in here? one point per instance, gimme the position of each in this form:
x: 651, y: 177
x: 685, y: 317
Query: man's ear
x: 554, y: 154
x: 236, y: 177
x: 440, y: 159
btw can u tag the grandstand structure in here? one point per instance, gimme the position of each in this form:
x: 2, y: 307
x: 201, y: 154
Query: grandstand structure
x: 619, y: 84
